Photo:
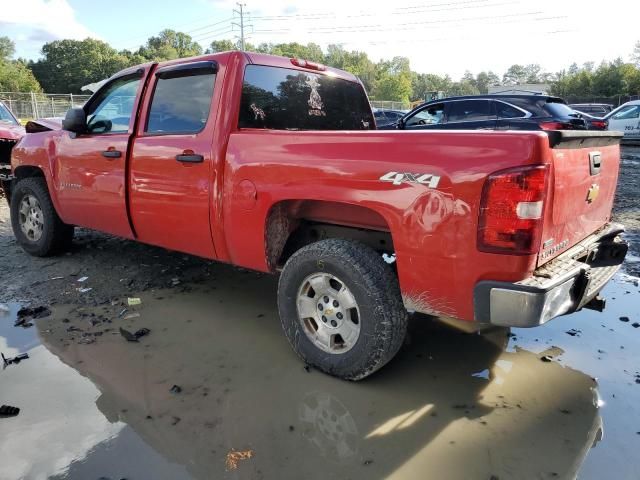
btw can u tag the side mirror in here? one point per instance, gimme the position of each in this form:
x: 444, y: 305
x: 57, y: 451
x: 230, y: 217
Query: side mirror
x: 75, y: 120
x: 400, y: 124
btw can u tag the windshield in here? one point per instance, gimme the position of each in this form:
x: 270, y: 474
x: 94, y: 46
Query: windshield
x: 5, y: 115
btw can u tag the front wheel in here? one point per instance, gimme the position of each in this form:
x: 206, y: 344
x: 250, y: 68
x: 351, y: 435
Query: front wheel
x: 341, y: 308
x: 36, y: 225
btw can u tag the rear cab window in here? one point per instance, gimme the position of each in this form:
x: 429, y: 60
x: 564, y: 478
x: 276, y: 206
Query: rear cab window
x: 287, y: 99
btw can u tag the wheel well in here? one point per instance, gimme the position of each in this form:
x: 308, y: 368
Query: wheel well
x: 27, y: 171
x: 294, y: 224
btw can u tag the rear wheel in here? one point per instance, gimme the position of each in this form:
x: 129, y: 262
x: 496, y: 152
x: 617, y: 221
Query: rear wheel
x: 36, y: 225
x: 341, y: 308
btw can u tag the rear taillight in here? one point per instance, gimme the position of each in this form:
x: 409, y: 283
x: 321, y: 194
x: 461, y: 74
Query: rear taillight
x: 511, y: 211
x: 556, y: 126
x: 602, y: 124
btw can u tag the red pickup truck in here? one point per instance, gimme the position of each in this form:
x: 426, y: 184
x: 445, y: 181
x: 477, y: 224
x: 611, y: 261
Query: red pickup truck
x: 274, y: 164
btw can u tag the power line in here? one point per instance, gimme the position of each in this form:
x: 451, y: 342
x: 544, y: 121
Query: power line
x: 241, y: 25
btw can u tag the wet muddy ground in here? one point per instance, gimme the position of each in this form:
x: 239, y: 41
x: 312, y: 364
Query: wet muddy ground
x: 450, y: 406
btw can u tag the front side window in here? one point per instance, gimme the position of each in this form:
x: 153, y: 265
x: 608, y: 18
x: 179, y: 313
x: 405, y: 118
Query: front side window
x: 431, y: 115
x: 111, y: 111
x: 181, y: 104
x: 5, y: 115
x: 287, y: 99
x: 628, y: 113
x: 470, y: 111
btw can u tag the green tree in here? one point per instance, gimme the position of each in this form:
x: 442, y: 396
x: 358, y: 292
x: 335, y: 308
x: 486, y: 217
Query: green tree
x: 635, y: 56
x: 484, y: 80
x: 424, y: 84
x: 7, y: 48
x: 354, y: 62
x: 221, y: 46
x: 393, y: 80
x: 15, y: 76
x: 169, y: 45
x: 310, y: 51
x: 67, y: 65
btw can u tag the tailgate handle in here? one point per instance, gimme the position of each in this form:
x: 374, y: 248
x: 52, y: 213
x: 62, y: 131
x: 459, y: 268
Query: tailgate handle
x: 112, y: 153
x: 190, y: 158
x: 595, y: 162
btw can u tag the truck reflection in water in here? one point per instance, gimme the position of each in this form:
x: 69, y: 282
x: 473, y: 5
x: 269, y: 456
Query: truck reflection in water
x: 449, y: 404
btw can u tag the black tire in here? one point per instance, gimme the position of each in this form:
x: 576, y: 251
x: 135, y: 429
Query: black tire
x: 56, y: 235
x: 374, y: 285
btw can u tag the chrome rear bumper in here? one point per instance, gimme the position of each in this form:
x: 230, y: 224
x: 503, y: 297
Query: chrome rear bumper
x: 563, y: 285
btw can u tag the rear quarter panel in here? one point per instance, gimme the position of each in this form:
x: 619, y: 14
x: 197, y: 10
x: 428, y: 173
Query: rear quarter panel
x: 433, y: 229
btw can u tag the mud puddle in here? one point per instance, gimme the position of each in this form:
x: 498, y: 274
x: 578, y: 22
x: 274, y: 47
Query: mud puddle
x: 104, y: 407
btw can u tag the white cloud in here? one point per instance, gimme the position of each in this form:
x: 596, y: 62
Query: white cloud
x: 43, y: 19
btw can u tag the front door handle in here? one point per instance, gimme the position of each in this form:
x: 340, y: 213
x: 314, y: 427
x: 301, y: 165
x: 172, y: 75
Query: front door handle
x: 112, y: 153
x: 190, y: 158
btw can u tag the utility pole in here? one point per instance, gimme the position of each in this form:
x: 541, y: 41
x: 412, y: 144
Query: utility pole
x: 241, y: 13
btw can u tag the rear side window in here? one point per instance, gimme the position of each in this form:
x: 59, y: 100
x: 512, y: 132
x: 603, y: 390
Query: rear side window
x: 181, y: 104
x: 470, y: 111
x: 286, y: 99
x: 507, y: 111
x: 557, y: 109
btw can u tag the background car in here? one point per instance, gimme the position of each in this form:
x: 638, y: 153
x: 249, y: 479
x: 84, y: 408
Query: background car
x: 10, y: 132
x: 493, y: 112
x: 595, y: 109
x: 626, y: 119
x: 386, y: 117
x: 594, y: 122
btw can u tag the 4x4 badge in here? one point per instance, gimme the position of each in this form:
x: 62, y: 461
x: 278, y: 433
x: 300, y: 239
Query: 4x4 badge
x: 396, y: 178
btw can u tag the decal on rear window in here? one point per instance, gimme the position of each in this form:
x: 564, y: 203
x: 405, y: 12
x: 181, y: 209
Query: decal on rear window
x: 315, y: 101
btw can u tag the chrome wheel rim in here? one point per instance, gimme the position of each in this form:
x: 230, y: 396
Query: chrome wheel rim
x: 30, y: 218
x: 328, y: 313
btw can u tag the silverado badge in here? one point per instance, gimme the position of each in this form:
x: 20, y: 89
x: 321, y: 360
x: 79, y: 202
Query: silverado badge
x: 593, y: 192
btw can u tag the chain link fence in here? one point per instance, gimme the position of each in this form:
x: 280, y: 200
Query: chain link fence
x: 27, y: 106
x: 390, y: 105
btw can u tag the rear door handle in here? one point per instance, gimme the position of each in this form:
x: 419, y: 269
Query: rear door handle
x: 112, y: 153
x: 190, y: 158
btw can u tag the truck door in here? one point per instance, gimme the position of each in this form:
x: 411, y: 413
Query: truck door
x: 172, y: 159
x: 89, y: 168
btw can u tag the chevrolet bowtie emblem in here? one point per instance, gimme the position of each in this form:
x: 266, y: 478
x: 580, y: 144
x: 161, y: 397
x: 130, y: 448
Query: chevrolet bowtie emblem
x: 593, y: 192
x: 329, y: 311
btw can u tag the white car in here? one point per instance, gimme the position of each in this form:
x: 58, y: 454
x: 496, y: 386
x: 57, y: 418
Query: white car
x: 626, y: 119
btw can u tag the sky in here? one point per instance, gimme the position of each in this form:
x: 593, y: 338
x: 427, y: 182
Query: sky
x: 438, y: 36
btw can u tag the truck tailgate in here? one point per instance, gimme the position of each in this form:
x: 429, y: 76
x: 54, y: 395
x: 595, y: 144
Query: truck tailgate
x: 583, y: 183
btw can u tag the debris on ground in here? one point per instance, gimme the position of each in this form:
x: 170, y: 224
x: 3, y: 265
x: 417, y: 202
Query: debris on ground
x: 85, y: 290
x: 624, y: 319
x: 546, y: 358
x: 15, y: 360
x: 83, y: 279
x: 176, y: 389
x: 129, y: 316
x: 27, y: 313
x: 4, y: 308
x: 635, y: 324
x: 574, y: 332
x: 235, y: 456
x: 8, y: 411
x: 134, y: 337
x: 133, y: 301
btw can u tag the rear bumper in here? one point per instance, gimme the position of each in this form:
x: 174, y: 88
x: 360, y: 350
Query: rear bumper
x: 563, y: 285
